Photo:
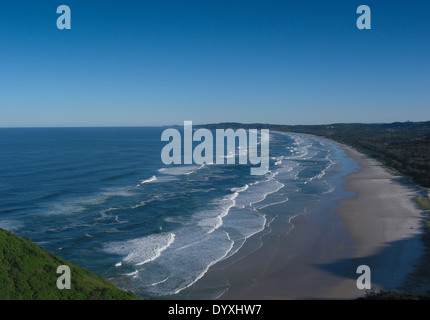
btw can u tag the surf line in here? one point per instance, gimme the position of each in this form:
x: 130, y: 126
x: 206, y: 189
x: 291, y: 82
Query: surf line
x: 203, y: 152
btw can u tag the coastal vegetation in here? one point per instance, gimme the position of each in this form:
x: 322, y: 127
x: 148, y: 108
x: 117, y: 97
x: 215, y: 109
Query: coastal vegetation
x: 28, y: 272
x: 401, y: 146
x: 404, y: 147
x: 394, y: 295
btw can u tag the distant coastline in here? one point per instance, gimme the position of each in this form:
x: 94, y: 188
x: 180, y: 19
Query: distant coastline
x: 380, y: 226
x: 407, y: 279
x: 402, y: 146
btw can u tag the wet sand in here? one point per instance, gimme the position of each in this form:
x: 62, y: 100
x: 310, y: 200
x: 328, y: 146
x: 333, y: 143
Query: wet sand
x: 379, y: 227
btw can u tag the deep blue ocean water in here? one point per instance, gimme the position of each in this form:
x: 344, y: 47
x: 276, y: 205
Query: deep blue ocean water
x: 103, y: 199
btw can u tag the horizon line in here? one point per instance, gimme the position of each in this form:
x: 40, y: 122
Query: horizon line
x: 215, y: 123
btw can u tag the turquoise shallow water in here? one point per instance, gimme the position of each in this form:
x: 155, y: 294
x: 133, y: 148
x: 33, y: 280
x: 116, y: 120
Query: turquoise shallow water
x: 102, y: 198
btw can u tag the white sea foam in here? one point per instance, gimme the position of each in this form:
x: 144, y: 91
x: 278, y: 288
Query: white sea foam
x: 180, y: 170
x: 323, y: 172
x: 167, y: 263
x: 132, y: 274
x: 216, y: 243
x: 167, y: 178
x: 278, y: 160
x: 104, y: 213
x: 159, y: 282
x: 81, y: 204
x: 229, y: 203
x: 173, y: 270
x: 330, y: 190
x: 120, y: 221
x: 274, y: 203
x: 65, y: 208
x: 140, y: 204
x: 152, y: 179
x: 118, y: 192
x: 240, y: 189
x: 142, y: 250
x: 258, y: 191
x: 10, y: 225
x: 213, y: 219
x: 205, y: 270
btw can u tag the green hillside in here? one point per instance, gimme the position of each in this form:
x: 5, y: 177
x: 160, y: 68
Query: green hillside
x: 28, y: 272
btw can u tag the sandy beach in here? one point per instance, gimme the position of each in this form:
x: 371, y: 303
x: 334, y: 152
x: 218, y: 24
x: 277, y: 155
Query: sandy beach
x: 379, y: 227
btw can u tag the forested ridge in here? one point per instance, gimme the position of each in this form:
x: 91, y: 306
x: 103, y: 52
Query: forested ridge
x: 403, y: 146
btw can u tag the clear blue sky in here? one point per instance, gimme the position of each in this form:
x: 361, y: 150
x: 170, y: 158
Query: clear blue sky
x: 162, y: 62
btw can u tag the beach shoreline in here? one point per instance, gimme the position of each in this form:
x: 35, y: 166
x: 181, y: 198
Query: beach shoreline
x: 390, y: 225
x: 380, y: 226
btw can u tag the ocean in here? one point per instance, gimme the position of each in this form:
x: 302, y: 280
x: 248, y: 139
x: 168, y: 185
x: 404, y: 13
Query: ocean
x: 103, y: 199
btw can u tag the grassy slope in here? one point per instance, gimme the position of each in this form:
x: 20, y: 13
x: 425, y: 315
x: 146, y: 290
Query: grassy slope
x: 29, y: 272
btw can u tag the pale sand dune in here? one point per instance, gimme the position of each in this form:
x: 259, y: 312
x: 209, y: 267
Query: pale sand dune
x: 379, y: 227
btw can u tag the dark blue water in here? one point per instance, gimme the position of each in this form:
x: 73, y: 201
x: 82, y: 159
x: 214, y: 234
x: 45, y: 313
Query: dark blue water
x: 103, y: 199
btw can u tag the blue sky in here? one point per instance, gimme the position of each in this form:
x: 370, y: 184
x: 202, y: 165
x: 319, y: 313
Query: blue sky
x: 158, y: 62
